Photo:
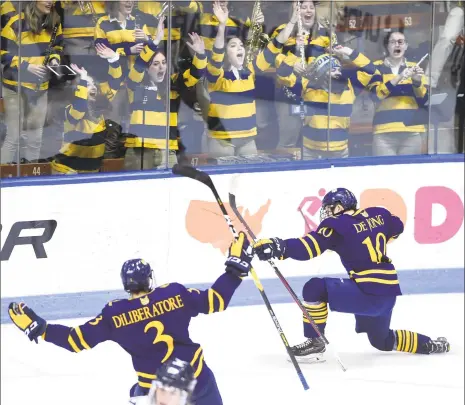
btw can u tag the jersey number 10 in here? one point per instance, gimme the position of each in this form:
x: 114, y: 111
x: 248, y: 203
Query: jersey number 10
x: 376, y: 253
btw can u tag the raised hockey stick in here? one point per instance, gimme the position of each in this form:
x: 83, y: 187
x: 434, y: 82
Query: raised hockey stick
x: 232, y: 203
x: 193, y: 173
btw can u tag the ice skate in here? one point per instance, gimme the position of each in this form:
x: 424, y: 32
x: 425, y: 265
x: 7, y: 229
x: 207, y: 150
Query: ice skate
x: 310, y: 351
x: 441, y: 345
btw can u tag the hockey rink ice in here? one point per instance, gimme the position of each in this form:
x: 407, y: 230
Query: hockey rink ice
x: 245, y: 352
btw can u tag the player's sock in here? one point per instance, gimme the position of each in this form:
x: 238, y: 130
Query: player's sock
x: 319, y: 313
x: 412, y: 342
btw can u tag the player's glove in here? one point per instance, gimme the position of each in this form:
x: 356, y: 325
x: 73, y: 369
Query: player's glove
x: 267, y: 249
x: 240, y: 256
x: 27, y: 320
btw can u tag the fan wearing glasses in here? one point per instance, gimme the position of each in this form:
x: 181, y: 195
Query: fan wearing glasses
x: 399, y: 91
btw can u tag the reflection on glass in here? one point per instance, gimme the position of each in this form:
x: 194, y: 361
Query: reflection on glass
x: 31, y: 46
x: 8, y: 9
x: 395, y: 36
x: 443, y: 73
x: 399, y: 90
x: 99, y: 92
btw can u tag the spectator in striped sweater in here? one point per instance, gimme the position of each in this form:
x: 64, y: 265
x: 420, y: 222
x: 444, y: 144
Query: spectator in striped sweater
x: 314, y: 40
x: 41, y: 45
x: 399, y: 91
x: 232, y: 124
x: 147, y: 144
x: 84, y: 127
x: 329, y: 90
x: 118, y: 30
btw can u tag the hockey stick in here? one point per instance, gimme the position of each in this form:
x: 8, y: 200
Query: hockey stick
x: 193, y: 173
x: 232, y: 202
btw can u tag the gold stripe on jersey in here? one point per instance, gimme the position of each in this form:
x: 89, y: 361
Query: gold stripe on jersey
x: 311, y: 244
x: 213, y: 305
x: 198, y: 355
x: 315, y: 244
x: 145, y: 375
x: 81, y: 338
x: 358, y: 276
x: 375, y: 280
x: 73, y: 344
x: 200, y: 367
x: 310, y: 253
x: 145, y: 380
x: 366, y: 272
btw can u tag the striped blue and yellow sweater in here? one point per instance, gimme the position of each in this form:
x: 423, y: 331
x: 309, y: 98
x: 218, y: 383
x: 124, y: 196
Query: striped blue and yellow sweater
x: 153, y: 8
x: 7, y: 10
x: 84, y: 135
x: 313, y: 47
x: 109, y: 33
x: 149, y: 116
x: 231, y: 113
x: 33, y: 50
x: 78, y: 23
x: 327, y: 116
x: 396, y: 105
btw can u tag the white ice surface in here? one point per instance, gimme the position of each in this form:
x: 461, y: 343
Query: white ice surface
x: 248, y: 358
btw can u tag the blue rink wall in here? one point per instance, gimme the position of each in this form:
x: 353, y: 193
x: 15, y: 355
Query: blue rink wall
x: 89, y: 304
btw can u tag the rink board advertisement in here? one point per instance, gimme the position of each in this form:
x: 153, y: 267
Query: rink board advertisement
x: 74, y: 238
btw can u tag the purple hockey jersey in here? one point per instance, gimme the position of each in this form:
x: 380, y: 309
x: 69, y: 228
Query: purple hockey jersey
x: 360, y: 240
x: 151, y: 328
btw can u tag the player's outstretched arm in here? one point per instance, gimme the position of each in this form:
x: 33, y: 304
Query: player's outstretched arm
x: 311, y: 245
x: 74, y: 339
x: 218, y: 296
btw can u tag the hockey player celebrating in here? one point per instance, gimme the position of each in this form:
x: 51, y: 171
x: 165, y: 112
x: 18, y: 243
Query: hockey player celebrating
x: 359, y: 237
x: 153, y: 324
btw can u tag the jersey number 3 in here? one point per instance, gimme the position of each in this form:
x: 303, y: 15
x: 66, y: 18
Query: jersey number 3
x: 160, y: 337
x: 376, y: 253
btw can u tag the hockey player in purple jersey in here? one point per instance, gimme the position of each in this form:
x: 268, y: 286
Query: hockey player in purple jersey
x: 153, y: 324
x: 174, y: 385
x: 359, y: 237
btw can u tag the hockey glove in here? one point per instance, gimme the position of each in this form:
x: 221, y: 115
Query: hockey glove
x: 27, y: 320
x: 267, y: 249
x: 240, y: 256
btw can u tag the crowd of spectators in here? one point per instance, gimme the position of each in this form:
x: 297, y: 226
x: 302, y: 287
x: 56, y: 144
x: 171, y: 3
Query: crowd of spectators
x: 149, y: 84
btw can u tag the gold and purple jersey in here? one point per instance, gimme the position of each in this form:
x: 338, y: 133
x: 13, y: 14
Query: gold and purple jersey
x: 361, y: 241
x: 152, y: 328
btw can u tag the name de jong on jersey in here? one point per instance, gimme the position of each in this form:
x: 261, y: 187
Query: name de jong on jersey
x: 361, y: 241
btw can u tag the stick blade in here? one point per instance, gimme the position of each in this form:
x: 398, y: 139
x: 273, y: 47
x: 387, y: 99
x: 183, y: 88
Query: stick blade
x: 233, y: 188
x: 192, y: 172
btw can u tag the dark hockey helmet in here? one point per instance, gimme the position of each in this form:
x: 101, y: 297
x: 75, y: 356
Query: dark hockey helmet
x: 341, y: 196
x: 318, y: 72
x: 175, y: 376
x: 136, y: 275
